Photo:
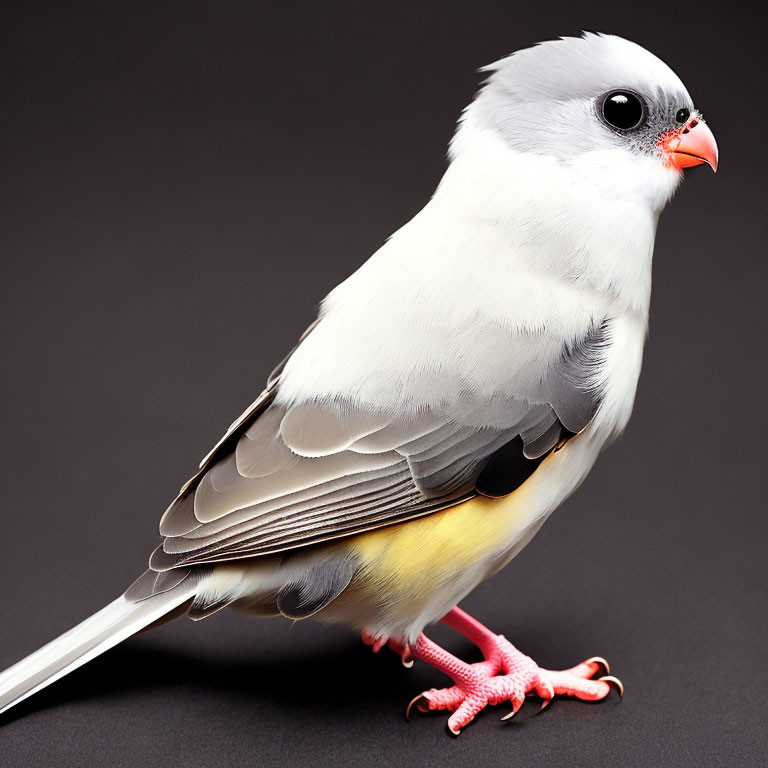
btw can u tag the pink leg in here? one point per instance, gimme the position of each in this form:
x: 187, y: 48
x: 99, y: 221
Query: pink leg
x: 500, y: 654
x: 478, y: 685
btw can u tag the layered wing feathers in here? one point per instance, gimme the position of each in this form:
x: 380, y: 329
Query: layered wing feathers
x: 285, y: 476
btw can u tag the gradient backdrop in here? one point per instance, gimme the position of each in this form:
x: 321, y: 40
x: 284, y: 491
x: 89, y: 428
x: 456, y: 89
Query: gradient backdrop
x: 181, y: 184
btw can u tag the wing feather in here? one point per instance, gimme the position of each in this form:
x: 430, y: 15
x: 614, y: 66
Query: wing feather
x: 286, y: 475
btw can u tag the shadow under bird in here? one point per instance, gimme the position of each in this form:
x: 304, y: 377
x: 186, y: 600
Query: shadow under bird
x: 451, y: 394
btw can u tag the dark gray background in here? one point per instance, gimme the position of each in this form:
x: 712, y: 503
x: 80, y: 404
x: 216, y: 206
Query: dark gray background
x: 181, y: 184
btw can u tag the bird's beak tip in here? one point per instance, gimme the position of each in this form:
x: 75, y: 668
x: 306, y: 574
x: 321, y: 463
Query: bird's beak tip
x: 693, y: 144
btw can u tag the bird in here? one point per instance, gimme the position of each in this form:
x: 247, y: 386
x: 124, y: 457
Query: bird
x: 451, y: 394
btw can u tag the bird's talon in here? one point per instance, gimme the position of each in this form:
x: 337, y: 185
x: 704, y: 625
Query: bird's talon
x: 511, y: 714
x: 614, y: 682
x: 517, y: 702
x: 601, y: 662
x: 544, y: 705
x: 507, y: 675
x: 417, y: 700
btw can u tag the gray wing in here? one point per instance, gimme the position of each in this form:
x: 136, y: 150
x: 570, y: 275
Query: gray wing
x: 288, y: 476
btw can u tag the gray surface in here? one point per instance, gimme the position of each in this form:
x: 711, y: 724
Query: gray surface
x: 197, y: 177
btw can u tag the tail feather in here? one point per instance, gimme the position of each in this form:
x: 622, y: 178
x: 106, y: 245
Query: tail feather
x: 144, y: 603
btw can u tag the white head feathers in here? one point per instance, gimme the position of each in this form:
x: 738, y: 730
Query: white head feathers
x: 545, y: 100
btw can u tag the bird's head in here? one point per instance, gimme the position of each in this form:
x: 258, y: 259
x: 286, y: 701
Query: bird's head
x: 598, y: 101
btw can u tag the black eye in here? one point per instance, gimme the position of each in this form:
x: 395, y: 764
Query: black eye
x: 623, y: 110
x: 683, y: 115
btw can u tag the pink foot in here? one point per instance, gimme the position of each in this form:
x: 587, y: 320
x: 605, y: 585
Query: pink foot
x: 506, y: 674
x: 509, y: 675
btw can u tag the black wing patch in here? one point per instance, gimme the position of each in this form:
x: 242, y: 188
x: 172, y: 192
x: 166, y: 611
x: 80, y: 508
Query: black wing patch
x: 510, y: 467
x: 507, y: 470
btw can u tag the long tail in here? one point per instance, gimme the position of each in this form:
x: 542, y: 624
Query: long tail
x: 150, y: 598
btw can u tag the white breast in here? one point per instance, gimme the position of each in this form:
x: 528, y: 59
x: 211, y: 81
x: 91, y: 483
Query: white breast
x: 515, y: 256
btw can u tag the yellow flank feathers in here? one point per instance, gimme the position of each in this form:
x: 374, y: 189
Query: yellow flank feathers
x: 425, y: 550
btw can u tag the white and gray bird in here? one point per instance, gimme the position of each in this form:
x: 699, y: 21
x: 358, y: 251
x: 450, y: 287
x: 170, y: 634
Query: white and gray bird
x: 452, y: 392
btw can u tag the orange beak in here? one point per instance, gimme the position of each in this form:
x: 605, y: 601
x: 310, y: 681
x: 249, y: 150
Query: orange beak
x: 693, y: 144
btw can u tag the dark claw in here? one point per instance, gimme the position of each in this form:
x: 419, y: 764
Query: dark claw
x: 547, y: 701
x: 413, y: 701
